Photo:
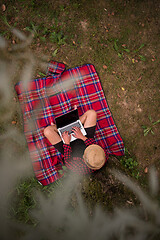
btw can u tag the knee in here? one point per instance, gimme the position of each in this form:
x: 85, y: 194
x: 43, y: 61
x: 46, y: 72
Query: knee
x: 92, y: 113
x: 49, y: 130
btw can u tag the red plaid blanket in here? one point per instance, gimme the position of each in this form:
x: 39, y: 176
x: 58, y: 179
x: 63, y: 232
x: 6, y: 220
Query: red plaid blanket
x: 50, y: 97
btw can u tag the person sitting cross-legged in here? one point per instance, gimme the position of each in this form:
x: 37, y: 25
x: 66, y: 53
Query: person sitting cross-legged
x: 83, y: 155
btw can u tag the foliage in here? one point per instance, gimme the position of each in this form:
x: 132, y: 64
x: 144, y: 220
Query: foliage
x: 63, y: 171
x: 122, y: 48
x: 24, y: 201
x: 55, y: 220
x: 44, y: 33
x: 57, y: 38
x: 130, y: 164
x: 149, y: 128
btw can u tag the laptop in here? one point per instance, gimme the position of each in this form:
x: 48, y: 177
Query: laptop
x: 67, y: 121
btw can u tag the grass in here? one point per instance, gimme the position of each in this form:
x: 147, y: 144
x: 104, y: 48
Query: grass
x: 123, y: 37
x: 131, y: 165
x: 24, y: 201
x: 150, y: 128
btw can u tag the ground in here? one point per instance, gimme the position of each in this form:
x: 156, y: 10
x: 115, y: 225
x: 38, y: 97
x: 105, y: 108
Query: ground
x: 121, y: 39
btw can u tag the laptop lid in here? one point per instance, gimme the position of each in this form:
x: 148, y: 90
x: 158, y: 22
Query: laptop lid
x: 67, y: 118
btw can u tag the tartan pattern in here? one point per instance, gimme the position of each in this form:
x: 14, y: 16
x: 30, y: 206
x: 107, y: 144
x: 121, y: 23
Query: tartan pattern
x: 86, y: 93
x: 75, y: 164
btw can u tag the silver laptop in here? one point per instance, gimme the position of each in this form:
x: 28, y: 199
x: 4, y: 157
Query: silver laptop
x: 67, y: 121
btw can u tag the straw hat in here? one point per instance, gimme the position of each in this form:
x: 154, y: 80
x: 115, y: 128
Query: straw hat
x: 94, y: 156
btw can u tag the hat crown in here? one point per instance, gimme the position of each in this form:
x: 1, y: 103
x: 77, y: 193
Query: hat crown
x: 94, y: 156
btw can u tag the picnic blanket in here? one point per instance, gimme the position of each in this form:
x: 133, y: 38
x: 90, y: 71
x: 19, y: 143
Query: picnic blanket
x: 46, y: 98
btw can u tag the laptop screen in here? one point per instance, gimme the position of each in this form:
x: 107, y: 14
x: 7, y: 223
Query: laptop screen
x: 67, y: 118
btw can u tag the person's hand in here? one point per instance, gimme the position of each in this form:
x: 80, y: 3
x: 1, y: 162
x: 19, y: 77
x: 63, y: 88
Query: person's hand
x: 66, y: 137
x: 78, y: 134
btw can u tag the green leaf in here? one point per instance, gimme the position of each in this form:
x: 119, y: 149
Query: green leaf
x: 60, y: 171
x: 64, y: 167
x: 156, y: 122
x: 120, y: 55
x: 34, y: 27
x: 5, y: 21
x: 43, y: 39
x: 28, y: 29
x: 115, y: 45
x: 146, y: 131
x: 137, y: 176
x: 142, y: 58
x: 45, y: 31
x: 150, y: 118
x: 55, y: 52
x: 3, y: 33
x: 144, y: 127
x: 152, y: 132
x: 127, y: 50
x: 42, y: 74
x: 142, y: 45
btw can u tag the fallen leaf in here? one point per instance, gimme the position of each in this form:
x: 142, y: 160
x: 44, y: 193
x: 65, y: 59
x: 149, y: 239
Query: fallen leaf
x: 13, y: 122
x: 146, y: 170
x: 107, y: 30
x: 13, y: 41
x: 113, y: 72
x: 74, y: 42
x: 123, y: 88
x: 133, y: 60
x: 104, y: 66
x: 123, y: 45
x: 118, y: 95
x: 139, y: 78
x: 3, y: 7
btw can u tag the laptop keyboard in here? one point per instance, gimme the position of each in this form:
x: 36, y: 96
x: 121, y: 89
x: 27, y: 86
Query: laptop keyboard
x: 69, y: 128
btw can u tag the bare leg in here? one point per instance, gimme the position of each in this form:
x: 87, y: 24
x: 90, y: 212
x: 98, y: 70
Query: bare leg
x: 89, y: 118
x: 52, y: 135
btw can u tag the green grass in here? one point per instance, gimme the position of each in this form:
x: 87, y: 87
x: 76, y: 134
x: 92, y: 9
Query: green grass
x: 130, y: 164
x: 149, y: 129
x: 24, y: 201
x: 25, y: 198
x: 128, y: 49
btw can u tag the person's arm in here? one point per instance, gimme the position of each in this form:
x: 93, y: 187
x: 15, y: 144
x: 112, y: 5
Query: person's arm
x: 89, y: 141
x: 67, y: 149
x: 78, y: 134
x: 67, y: 153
